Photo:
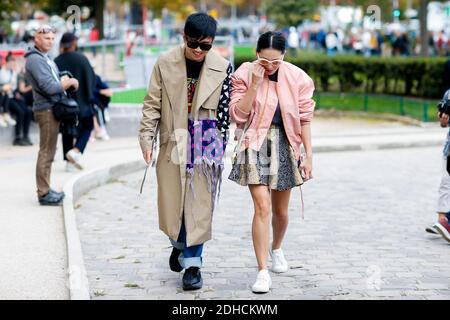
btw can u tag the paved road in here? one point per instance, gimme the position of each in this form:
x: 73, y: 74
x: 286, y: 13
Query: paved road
x: 362, y: 238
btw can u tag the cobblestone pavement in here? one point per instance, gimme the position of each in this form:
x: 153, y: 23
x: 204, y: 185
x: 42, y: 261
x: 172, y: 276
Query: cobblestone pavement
x: 362, y: 238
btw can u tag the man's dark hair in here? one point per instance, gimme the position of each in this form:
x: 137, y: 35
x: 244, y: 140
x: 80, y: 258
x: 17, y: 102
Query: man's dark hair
x: 271, y: 40
x: 200, y: 26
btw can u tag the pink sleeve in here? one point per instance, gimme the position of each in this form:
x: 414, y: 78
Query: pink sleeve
x: 306, y: 104
x: 239, y: 88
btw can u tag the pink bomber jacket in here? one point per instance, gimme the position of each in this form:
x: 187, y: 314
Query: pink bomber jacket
x: 294, y: 91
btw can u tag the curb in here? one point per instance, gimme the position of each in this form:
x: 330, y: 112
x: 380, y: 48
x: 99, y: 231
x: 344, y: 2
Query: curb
x: 74, y: 189
x: 332, y: 113
x: 380, y: 146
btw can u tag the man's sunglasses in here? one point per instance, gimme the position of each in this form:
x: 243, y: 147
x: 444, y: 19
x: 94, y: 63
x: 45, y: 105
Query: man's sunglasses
x: 46, y: 29
x: 194, y: 44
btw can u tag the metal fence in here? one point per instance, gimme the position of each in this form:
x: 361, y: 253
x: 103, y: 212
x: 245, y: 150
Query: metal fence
x: 423, y: 110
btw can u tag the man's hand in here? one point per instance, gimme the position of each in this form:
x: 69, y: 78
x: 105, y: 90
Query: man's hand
x: 443, y: 119
x: 148, y: 156
x: 69, y: 82
x: 7, y: 88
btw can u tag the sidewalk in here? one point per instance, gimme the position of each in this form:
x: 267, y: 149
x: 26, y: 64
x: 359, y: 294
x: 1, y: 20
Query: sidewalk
x: 33, y: 263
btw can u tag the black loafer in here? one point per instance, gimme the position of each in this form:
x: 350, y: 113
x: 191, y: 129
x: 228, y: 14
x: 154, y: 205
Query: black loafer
x: 174, y: 264
x: 50, y: 199
x: 192, y: 279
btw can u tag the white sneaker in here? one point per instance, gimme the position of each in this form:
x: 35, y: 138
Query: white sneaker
x: 70, y: 167
x: 263, y: 282
x: 103, y: 135
x: 3, y: 122
x: 279, y: 263
x: 107, y: 116
x: 75, y: 157
x: 9, y: 120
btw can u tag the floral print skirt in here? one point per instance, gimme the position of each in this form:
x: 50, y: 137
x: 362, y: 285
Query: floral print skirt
x: 274, y: 165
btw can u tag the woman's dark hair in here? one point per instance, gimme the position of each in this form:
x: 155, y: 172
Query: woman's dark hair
x: 271, y: 40
x: 200, y: 26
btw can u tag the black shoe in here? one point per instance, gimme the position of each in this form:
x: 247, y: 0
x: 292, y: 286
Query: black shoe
x: 192, y: 279
x: 50, y: 199
x: 58, y: 194
x: 19, y: 142
x: 27, y: 141
x: 174, y: 264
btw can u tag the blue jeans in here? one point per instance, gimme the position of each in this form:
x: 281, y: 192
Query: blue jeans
x: 191, y: 256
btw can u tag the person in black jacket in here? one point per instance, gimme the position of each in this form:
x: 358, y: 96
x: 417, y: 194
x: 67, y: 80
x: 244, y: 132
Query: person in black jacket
x: 447, y: 75
x: 80, y: 68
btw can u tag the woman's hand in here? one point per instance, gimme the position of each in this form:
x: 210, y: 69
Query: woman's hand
x: 306, y: 167
x: 257, y: 75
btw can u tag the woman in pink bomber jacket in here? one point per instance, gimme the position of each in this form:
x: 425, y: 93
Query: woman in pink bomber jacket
x: 274, y: 99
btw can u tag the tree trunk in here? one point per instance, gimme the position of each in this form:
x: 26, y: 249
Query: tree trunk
x: 423, y: 18
x: 99, y: 8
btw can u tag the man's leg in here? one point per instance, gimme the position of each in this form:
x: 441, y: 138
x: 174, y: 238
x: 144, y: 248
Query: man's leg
x: 189, y: 258
x: 86, y: 126
x: 443, y: 226
x: 48, y: 133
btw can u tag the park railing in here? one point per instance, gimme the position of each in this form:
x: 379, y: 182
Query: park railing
x: 420, y: 109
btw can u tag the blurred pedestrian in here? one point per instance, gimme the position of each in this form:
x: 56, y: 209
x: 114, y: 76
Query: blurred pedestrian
x: 79, y: 67
x: 43, y: 74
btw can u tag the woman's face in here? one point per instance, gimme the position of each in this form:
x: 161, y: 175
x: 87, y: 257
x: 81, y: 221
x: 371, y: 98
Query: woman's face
x: 270, y: 59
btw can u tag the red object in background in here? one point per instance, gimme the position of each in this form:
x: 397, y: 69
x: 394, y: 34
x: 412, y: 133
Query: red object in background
x: 16, y: 53
x: 94, y: 35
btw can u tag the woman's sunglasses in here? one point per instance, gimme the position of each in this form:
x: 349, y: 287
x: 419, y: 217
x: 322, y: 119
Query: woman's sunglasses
x: 266, y: 63
x: 194, y: 44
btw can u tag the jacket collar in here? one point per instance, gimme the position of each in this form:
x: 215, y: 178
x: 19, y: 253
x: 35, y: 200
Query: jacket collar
x: 175, y: 80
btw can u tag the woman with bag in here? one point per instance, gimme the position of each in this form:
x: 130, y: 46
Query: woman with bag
x: 272, y: 101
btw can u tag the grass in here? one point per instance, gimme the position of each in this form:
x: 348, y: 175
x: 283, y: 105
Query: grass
x: 423, y: 110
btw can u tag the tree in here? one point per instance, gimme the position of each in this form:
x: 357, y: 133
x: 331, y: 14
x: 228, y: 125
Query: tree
x: 179, y: 6
x: 289, y: 12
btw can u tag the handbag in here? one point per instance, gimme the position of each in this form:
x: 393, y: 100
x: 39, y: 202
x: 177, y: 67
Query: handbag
x: 66, y: 109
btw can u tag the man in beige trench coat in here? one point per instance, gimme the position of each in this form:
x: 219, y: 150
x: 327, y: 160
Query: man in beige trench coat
x: 187, y: 103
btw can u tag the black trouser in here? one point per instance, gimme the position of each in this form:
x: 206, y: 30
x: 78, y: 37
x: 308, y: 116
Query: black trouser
x: 23, y: 116
x: 85, y: 126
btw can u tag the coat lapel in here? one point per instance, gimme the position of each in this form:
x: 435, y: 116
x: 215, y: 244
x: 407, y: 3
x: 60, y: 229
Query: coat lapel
x: 173, y: 72
x: 212, y: 75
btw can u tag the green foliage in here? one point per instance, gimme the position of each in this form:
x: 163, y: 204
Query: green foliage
x: 289, y: 12
x: 415, y: 77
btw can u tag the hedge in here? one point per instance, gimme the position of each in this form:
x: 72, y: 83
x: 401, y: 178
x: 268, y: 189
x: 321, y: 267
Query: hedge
x: 403, y: 76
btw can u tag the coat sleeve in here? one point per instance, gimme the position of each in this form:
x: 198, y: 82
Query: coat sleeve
x: 151, y: 111
x: 223, y: 109
x: 239, y: 88
x: 306, y: 104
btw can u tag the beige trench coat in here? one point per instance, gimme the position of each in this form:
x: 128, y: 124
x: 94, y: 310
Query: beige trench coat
x: 165, y: 112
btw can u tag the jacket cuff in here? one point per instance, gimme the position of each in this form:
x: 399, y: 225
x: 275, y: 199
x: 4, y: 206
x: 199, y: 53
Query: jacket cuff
x: 146, y: 142
x: 240, y: 115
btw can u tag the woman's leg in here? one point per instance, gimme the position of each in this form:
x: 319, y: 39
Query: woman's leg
x: 280, y: 216
x: 260, y: 225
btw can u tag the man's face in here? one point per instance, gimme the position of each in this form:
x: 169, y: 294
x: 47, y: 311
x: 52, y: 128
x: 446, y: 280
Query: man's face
x: 197, y: 53
x: 44, y: 41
